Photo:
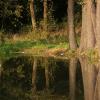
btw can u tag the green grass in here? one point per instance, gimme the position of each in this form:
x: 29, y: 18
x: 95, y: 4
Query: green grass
x: 7, y: 48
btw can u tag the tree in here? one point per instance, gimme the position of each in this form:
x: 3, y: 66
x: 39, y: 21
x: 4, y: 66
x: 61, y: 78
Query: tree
x: 87, y: 43
x: 45, y: 14
x: 98, y: 25
x: 73, y: 46
x: 32, y: 11
x: 88, y: 26
x: 72, y: 40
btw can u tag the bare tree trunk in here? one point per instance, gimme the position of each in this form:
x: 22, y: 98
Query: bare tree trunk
x: 97, y: 87
x: 98, y: 25
x: 47, y: 74
x: 34, y: 75
x: 32, y: 11
x: 88, y: 26
x: 72, y: 77
x: 83, y: 32
x: 45, y: 15
x: 72, y: 38
x: 90, y: 32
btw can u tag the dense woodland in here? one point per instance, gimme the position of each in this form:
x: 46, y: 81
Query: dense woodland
x: 33, y: 15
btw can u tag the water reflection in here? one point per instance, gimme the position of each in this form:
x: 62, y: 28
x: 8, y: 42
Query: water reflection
x: 47, y: 81
x: 34, y: 75
x: 72, y: 77
x: 91, y: 79
x: 0, y: 67
x: 39, y: 78
x: 88, y: 72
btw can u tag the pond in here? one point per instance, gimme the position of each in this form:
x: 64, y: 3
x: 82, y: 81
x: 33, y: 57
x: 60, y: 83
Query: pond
x: 46, y: 78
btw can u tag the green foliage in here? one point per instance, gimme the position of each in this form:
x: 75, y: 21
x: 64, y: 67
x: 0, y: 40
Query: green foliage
x: 80, y: 2
x: 11, y: 15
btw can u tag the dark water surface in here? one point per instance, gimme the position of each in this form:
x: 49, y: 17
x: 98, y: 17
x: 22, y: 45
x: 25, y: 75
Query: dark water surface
x: 38, y: 78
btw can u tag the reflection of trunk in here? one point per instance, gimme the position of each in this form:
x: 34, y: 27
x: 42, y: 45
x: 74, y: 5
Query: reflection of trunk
x: 32, y: 14
x: 89, y: 76
x: 97, y: 87
x: 72, y: 77
x: 72, y: 40
x: 47, y: 74
x: 45, y: 15
x: 0, y: 67
x: 34, y: 74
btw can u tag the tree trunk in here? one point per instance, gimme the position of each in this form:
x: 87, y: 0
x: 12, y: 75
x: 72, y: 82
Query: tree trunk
x: 72, y: 78
x: 72, y: 38
x: 90, y: 32
x: 45, y: 15
x: 83, y: 32
x: 98, y: 25
x: 34, y: 75
x: 88, y: 26
x: 32, y: 11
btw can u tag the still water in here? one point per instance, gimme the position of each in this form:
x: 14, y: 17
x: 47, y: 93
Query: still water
x: 39, y: 78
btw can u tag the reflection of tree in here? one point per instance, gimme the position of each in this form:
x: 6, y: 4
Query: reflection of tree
x: 34, y: 74
x: 97, y: 86
x: 72, y: 77
x: 0, y: 67
x: 89, y: 79
x: 47, y: 74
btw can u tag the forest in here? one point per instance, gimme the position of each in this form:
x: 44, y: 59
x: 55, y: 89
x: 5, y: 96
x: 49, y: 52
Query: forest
x: 50, y: 49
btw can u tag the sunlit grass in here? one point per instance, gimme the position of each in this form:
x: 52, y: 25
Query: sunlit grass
x: 33, y: 47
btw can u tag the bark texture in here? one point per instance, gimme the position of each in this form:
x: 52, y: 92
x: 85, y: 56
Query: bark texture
x: 45, y: 15
x: 72, y: 38
x: 32, y: 11
x: 88, y: 26
x: 98, y: 25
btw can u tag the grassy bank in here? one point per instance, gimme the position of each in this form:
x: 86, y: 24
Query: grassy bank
x: 32, y: 47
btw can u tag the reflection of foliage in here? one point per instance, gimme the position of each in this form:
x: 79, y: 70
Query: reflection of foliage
x: 16, y: 81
